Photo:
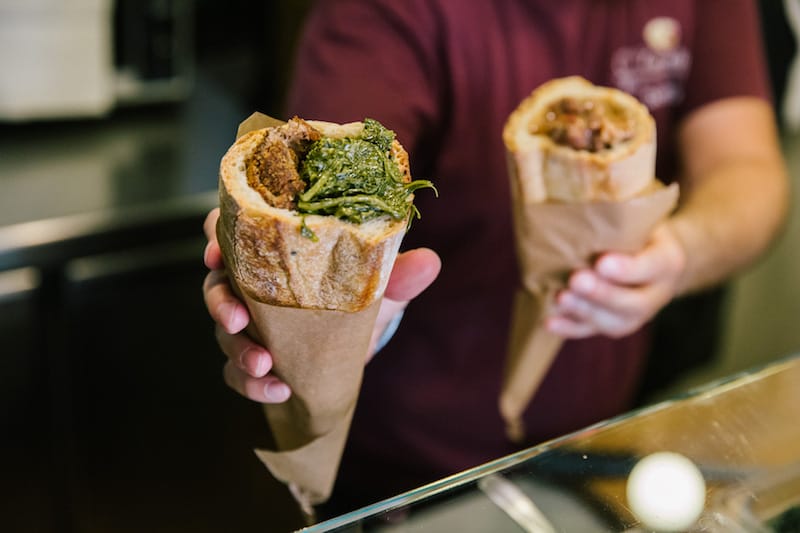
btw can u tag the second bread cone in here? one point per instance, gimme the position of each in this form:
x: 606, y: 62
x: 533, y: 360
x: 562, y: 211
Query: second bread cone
x: 575, y: 194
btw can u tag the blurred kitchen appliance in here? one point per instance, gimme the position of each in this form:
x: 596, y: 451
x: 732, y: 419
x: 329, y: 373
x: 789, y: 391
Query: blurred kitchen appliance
x: 82, y: 58
x: 791, y: 94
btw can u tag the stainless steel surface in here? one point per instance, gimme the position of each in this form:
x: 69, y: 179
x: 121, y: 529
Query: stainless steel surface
x: 59, y: 239
x: 79, y: 188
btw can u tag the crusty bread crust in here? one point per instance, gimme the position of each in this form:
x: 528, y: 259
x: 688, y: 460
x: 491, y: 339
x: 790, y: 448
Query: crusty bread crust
x: 544, y: 170
x: 269, y: 259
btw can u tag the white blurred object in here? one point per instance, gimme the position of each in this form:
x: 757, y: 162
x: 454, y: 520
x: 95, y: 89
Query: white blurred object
x: 791, y: 99
x: 81, y: 58
x: 55, y: 58
x: 666, y: 492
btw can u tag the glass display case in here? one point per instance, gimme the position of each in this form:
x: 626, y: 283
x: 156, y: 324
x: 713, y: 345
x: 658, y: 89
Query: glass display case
x: 742, y: 434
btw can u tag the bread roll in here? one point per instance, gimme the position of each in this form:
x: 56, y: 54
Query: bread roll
x: 573, y: 141
x: 278, y: 256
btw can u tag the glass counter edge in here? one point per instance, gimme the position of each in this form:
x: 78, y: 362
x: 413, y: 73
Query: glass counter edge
x: 473, y: 474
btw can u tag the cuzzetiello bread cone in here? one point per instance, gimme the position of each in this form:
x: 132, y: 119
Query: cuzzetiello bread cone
x: 312, y: 217
x: 581, y: 161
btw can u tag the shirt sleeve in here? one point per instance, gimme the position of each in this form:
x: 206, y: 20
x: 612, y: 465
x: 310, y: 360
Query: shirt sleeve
x: 727, y: 53
x: 375, y: 59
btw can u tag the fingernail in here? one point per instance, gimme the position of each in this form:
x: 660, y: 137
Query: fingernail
x: 261, y: 366
x: 609, y: 266
x: 583, y: 283
x: 554, y: 325
x: 226, y: 314
x: 251, y: 358
x: 231, y: 319
x: 276, y: 392
x: 566, y: 299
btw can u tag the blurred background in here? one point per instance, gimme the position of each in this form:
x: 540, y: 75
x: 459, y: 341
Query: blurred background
x: 113, y: 117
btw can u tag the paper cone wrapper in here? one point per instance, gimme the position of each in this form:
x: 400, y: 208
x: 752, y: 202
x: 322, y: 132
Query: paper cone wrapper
x: 321, y: 354
x: 554, y: 239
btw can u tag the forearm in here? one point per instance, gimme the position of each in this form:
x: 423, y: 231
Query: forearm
x: 729, y: 217
x: 734, y: 191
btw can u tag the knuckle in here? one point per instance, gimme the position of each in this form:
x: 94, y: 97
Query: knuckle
x: 612, y: 325
x: 227, y: 343
x: 209, y: 281
x: 229, y: 374
x: 246, y: 386
x: 253, y: 389
x: 622, y: 328
x: 222, y: 338
x: 584, y: 330
x: 601, y: 291
x: 215, y: 286
x: 575, y: 328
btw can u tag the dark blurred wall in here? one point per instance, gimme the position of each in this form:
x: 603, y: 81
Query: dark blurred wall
x: 117, y: 418
x: 780, y: 44
x: 247, y: 47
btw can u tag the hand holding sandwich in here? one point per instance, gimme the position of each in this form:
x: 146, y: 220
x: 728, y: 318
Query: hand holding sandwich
x: 621, y: 292
x: 248, y: 366
x: 310, y: 223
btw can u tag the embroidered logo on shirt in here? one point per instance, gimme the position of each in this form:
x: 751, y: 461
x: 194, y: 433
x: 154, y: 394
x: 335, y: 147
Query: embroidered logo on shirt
x: 662, y: 34
x: 656, y: 71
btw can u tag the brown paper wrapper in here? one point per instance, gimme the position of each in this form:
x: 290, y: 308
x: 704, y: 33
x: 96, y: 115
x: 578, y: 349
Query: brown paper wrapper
x: 310, y: 429
x: 321, y: 355
x: 553, y: 239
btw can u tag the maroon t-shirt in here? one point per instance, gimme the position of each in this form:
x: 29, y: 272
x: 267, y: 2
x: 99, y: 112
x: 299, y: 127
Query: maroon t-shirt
x: 444, y: 75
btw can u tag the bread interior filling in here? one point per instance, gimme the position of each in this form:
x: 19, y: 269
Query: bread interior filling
x: 352, y: 178
x: 588, y: 124
x: 272, y: 169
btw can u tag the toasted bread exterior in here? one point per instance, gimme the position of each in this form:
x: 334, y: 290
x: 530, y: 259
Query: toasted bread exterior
x: 543, y: 170
x: 346, y: 268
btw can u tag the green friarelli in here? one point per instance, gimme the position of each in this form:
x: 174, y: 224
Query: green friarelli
x: 356, y: 179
